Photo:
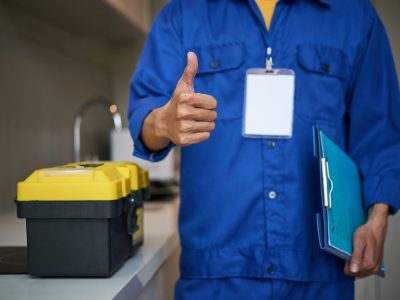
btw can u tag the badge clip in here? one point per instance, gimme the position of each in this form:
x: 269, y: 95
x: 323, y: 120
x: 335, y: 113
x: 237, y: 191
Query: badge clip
x: 268, y: 62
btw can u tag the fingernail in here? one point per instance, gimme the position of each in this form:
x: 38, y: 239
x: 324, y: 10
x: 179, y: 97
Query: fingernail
x: 354, y: 268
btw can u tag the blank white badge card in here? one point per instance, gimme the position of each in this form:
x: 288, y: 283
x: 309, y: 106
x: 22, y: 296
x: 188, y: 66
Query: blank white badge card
x: 269, y: 103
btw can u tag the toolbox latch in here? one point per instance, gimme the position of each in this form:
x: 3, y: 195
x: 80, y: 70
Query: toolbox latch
x: 132, y: 216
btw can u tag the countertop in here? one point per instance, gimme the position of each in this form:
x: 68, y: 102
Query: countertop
x: 160, y: 241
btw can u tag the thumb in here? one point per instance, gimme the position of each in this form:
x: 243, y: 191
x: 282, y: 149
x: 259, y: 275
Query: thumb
x: 358, y: 252
x: 186, y: 81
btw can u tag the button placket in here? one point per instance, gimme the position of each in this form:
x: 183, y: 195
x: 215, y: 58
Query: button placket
x: 273, y: 163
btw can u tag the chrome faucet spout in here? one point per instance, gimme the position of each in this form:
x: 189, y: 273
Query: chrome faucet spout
x: 112, y: 108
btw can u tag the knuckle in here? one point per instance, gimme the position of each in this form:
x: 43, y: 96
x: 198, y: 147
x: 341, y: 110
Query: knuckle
x: 360, y: 239
x: 369, y: 264
x: 180, y: 113
x: 358, y: 246
x: 356, y: 235
x: 190, y: 115
x: 183, y: 98
x: 182, y: 140
x: 357, y: 232
x: 183, y: 127
x: 360, y: 232
x: 178, y: 141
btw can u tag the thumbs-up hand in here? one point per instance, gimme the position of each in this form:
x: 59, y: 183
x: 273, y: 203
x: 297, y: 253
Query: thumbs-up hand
x: 188, y: 117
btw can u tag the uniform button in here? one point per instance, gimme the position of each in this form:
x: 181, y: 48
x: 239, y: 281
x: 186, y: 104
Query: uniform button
x: 272, y: 195
x: 214, y: 64
x: 271, y: 270
x: 326, y: 68
x: 271, y: 143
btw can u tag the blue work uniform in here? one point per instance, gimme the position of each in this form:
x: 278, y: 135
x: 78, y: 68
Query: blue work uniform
x: 248, y: 205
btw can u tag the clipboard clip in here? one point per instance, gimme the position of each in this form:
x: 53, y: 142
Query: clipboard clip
x: 327, y: 191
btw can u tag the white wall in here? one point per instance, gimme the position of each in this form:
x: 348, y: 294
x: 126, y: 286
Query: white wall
x: 389, y: 288
x: 389, y: 10
x: 123, y: 59
x: 374, y: 288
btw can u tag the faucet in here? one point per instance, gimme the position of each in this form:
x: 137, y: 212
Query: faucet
x: 112, y: 108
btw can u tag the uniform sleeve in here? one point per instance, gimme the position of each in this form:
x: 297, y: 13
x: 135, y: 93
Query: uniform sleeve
x: 159, y: 68
x: 374, y: 119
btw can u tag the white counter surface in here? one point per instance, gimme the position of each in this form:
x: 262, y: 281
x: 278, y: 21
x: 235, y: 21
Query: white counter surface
x: 160, y: 241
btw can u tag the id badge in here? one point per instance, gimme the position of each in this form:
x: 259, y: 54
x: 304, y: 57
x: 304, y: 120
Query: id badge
x: 269, y: 103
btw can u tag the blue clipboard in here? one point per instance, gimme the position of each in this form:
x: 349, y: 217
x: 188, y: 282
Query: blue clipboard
x: 342, y: 206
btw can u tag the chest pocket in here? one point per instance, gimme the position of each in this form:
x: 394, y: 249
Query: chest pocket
x: 321, y: 74
x: 220, y: 74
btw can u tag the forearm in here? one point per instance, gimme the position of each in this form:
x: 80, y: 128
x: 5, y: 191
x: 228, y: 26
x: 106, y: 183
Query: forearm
x: 151, y: 134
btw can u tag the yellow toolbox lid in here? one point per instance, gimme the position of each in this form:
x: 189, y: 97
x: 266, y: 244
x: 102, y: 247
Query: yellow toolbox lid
x: 144, y: 178
x: 138, y: 177
x: 76, y: 182
x: 134, y: 171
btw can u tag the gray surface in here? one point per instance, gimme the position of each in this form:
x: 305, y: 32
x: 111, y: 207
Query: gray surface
x: 161, y: 240
x: 127, y: 283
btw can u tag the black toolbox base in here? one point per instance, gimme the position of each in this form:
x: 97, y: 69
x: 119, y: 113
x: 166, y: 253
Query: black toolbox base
x: 77, y: 247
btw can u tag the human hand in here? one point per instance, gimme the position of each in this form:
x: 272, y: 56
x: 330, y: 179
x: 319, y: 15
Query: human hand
x: 188, y: 117
x: 368, y: 243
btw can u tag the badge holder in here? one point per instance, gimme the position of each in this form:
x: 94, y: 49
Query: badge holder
x: 269, y: 102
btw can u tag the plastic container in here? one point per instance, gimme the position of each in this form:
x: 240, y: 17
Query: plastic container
x: 82, y: 219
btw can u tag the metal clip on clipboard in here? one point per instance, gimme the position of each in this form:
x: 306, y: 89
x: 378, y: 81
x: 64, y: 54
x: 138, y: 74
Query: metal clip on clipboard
x: 325, y: 178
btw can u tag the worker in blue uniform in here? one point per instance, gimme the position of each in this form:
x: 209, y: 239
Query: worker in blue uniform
x: 247, y: 216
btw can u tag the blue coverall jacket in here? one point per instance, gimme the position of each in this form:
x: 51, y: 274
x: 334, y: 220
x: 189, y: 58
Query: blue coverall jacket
x: 248, y: 205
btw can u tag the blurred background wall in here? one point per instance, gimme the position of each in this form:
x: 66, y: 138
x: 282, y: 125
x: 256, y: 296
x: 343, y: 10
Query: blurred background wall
x: 55, y: 55
x: 374, y: 288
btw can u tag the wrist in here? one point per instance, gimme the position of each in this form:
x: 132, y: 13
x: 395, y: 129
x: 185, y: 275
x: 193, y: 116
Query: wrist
x: 152, y: 132
x: 159, y: 126
x: 378, y: 212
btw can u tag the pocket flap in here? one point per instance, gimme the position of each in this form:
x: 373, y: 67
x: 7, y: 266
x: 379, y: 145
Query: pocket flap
x: 219, y: 58
x: 323, y: 59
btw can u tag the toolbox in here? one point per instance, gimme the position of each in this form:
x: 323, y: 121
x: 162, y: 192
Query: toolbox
x: 140, y: 192
x: 82, y: 219
x: 144, y: 188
